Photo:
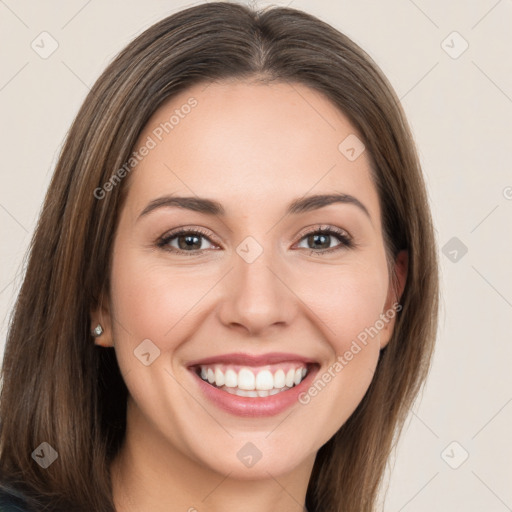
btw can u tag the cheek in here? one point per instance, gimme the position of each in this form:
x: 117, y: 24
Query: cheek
x: 348, y: 299
x: 349, y: 302
x: 154, y: 301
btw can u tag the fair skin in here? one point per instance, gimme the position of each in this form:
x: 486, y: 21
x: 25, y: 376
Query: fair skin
x: 253, y: 148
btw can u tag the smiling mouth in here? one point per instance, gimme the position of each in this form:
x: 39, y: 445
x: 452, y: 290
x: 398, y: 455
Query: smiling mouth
x: 254, y: 382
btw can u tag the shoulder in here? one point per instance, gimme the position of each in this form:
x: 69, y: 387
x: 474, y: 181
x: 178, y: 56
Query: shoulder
x: 11, y: 501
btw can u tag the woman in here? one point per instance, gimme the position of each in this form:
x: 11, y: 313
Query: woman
x: 183, y: 340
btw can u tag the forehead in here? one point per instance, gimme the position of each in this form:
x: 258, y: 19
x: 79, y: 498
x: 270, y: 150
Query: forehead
x: 251, y: 141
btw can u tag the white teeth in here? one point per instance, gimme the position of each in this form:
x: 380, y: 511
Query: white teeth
x: 290, y: 377
x: 219, y: 378
x: 231, y: 379
x: 279, y: 379
x: 262, y: 382
x: 246, y: 379
x: 256, y: 393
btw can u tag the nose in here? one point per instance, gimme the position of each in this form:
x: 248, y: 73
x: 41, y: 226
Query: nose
x: 256, y: 296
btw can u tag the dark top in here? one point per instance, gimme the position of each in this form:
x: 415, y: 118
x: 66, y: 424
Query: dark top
x: 12, y: 502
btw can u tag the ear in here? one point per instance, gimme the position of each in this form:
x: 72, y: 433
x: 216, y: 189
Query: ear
x: 397, y: 280
x: 100, y: 314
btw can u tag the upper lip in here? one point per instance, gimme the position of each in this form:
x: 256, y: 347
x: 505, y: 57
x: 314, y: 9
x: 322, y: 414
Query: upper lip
x: 251, y: 359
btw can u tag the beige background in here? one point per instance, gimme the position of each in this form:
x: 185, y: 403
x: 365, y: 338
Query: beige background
x: 460, y: 110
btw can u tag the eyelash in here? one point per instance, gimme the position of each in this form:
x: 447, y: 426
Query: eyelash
x: 346, y: 241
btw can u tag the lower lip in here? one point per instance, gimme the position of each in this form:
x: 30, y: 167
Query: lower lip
x: 255, y: 406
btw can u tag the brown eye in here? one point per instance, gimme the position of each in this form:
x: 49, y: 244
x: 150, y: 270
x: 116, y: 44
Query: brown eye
x: 187, y: 241
x: 321, y: 240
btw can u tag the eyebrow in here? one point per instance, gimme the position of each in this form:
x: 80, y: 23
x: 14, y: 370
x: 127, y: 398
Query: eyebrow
x: 211, y: 207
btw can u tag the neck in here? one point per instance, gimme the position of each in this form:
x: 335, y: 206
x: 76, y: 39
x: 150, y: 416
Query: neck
x: 151, y: 474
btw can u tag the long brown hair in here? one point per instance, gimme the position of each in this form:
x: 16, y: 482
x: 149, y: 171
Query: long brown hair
x: 59, y: 387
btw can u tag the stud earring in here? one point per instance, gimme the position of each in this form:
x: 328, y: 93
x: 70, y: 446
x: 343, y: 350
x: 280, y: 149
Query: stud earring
x: 98, y: 331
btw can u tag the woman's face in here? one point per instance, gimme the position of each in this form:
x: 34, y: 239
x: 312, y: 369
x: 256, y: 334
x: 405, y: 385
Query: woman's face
x: 264, y: 285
